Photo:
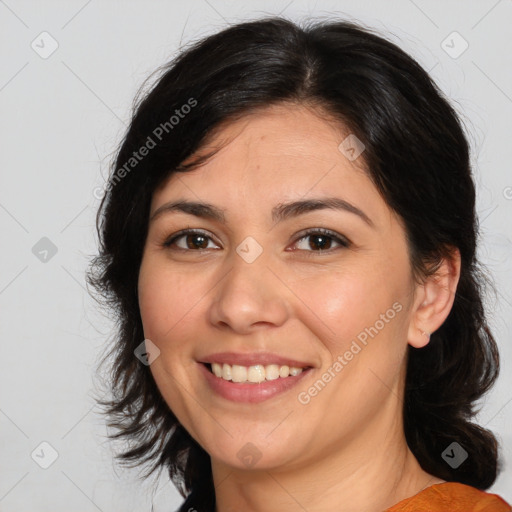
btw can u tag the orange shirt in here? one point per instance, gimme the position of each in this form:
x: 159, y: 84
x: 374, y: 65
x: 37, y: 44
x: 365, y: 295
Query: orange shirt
x: 452, y: 497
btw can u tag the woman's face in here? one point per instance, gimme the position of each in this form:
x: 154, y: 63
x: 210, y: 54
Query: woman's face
x: 257, y: 284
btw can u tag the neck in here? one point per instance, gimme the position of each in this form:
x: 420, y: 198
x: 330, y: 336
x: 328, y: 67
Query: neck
x: 371, y: 473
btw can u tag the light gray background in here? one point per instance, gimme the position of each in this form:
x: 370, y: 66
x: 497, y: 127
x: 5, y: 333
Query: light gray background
x: 61, y: 119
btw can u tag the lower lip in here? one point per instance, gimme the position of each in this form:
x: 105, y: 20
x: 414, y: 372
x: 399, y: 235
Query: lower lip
x: 251, y: 393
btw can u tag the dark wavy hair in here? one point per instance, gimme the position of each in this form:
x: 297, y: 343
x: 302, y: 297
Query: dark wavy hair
x: 416, y: 155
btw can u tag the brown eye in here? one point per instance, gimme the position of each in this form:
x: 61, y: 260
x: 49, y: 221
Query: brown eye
x: 196, y: 241
x: 320, y: 240
x: 189, y: 240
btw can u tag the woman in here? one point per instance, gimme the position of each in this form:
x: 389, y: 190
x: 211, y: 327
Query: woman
x: 288, y: 239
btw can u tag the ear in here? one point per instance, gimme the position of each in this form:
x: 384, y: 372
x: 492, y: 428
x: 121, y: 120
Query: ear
x: 434, y: 300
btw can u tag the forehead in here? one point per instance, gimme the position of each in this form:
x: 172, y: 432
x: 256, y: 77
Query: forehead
x: 280, y: 135
x: 276, y: 154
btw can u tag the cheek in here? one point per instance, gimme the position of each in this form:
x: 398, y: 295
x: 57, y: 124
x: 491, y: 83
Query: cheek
x: 169, y: 306
x: 361, y: 322
x: 344, y: 303
x: 166, y: 300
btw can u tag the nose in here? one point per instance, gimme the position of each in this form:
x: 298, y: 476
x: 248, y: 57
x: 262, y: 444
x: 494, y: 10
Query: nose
x: 249, y: 297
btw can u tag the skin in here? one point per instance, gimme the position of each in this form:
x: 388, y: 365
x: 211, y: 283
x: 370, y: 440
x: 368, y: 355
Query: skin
x: 345, y: 450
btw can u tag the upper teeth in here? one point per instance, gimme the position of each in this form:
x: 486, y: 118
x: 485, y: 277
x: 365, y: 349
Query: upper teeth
x: 256, y: 373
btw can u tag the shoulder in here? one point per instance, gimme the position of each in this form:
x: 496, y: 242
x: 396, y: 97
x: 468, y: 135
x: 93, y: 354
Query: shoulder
x: 458, y: 497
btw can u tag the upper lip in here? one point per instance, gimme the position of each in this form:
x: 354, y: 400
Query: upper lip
x: 263, y: 358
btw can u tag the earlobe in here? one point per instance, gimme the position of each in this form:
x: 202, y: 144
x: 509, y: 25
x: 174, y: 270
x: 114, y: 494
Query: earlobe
x: 418, y: 338
x: 435, y: 300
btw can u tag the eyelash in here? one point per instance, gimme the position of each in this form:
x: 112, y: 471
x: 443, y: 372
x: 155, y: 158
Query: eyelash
x: 341, y: 240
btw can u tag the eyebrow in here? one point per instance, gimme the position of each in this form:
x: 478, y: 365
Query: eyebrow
x: 280, y: 212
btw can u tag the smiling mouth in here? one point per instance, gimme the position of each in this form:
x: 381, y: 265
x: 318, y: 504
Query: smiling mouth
x: 254, y: 374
